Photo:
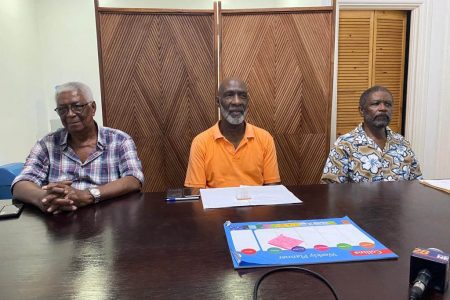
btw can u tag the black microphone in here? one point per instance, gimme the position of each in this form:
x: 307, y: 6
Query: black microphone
x: 428, y: 268
x: 420, y: 284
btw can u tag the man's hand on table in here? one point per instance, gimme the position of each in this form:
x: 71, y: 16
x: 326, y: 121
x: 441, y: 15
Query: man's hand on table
x: 61, y: 196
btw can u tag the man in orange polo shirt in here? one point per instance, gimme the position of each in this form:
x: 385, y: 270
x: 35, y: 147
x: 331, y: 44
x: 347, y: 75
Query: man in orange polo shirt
x: 232, y: 152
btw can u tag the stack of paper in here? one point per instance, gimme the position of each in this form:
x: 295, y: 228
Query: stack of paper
x: 246, y: 196
x: 440, y: 184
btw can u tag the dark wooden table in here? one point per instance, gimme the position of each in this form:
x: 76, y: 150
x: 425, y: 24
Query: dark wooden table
x: 142, y: 247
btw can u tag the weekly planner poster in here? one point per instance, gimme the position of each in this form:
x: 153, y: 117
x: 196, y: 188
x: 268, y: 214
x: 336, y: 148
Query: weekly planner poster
x: 263, y: 244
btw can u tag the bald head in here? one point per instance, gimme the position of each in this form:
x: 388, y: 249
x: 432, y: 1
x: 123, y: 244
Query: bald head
x: 232, y: 82
x: 233, y: 100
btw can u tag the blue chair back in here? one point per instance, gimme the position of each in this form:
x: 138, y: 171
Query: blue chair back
x: 7, y: 174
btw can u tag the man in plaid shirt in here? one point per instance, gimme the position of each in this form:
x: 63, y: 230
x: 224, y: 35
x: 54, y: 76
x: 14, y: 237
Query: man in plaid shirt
x: 80, y: 164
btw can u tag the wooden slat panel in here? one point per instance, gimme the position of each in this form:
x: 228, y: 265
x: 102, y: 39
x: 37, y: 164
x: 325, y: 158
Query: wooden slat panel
x: 354, y: 66
x: 286, y: 61
x: 389, y: 58
x: 159, y: 85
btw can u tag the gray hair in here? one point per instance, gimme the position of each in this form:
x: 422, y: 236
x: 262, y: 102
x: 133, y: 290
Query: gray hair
x: 82, y: 88
x: 367, y: 93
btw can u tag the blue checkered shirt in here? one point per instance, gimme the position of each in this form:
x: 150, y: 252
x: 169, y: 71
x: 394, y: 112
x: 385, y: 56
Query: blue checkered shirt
x: 52, y: 160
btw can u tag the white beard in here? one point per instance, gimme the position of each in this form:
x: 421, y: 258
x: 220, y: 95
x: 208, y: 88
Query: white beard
x: 230, y: 119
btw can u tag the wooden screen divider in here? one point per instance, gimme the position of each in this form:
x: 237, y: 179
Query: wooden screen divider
x: 158, y: 84
x: 158, y: 71
x: 286, y: 58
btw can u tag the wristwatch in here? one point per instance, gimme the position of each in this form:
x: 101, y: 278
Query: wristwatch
x: 95, y: 192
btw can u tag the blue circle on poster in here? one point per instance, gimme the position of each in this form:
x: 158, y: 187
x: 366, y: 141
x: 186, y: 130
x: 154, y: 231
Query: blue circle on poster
x: 298, y: 249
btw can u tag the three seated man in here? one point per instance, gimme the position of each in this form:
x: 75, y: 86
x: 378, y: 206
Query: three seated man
x: 84, y: 163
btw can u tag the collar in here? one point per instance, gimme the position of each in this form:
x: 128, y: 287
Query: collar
x: 63, y: 140
x: 389, y: 133
x: 101, y: 137
x: 362, y: 139
x: 249, y: 131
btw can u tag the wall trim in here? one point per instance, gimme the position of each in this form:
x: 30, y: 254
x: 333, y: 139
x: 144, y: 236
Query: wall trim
x: 381, y: 4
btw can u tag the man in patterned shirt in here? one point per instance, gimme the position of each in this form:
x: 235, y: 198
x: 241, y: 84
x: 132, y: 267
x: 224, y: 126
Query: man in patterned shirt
x: 80, y: 164
x: 372, y: 151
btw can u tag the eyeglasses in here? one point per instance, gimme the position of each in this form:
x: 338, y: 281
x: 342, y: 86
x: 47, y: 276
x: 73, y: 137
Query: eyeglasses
x: 76, y: 108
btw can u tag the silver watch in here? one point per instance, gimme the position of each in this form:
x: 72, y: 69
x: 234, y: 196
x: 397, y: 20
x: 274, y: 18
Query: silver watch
x: 95, y: 192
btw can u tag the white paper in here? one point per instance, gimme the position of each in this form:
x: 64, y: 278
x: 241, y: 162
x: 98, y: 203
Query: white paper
x: 243, y: 239
x: 258, y: 195
x: 443, y: 184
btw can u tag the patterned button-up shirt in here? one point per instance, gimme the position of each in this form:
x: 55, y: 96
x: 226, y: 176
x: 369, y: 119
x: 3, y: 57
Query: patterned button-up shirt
x: 355, y: 157
x: 52, y: 159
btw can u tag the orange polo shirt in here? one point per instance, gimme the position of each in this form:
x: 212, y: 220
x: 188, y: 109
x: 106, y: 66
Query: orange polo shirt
x: 214, y: 162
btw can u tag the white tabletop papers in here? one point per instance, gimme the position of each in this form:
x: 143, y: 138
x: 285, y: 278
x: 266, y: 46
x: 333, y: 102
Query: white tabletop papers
x: 440, y: 184
x: 247, y: 196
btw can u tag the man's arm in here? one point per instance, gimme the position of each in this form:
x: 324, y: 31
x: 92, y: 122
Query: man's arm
x: 27, y: 185
x: 271, y: 173
x: 119, y: 187
x: 415, y: 172
x: 336, y: 167
x: 110, y: 190
x: 195, y: 174
x: 69, y: 198
x: 129, y: 166
x: 30, y: 192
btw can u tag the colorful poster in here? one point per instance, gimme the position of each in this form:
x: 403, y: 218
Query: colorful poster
x: 299, y: 242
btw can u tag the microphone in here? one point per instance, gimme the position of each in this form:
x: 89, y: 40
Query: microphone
x: 420, y: 284
x: 428, y: 268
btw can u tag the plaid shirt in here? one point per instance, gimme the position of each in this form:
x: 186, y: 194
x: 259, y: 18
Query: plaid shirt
x: 52, y: 159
